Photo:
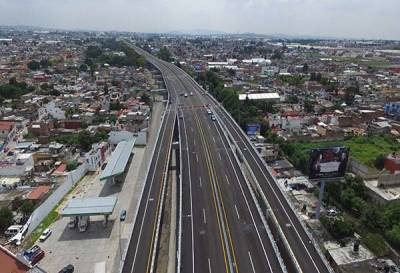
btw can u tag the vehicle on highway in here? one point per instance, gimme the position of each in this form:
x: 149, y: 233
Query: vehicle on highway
x: 37, y: 257
x: 209, y: 112
x: 46, y: 234
x: 122, y: 215
x: 186, y: 95
x: 213, y: 118
x: 83, y: 223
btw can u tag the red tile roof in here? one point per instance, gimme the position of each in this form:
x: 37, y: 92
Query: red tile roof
x: 9, y: 262
x: 38, y: 193
x: 6, y: 125
x: 61, y: 168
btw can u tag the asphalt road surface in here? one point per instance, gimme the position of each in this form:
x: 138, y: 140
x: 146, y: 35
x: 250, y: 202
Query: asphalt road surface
x: 222, y: 230
x: 305, y: 252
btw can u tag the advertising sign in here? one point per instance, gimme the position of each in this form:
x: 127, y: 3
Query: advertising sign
x: 253, y: 129
x: 328, y: 162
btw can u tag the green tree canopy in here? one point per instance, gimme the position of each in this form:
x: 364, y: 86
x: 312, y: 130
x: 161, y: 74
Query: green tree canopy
x: 6, y: 218
x: 34, y: 65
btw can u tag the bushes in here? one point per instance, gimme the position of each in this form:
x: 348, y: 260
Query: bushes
x: 6, y: 218
x: 83, y: 139
x: 339, y: 227
x: 376, y: 243
x: 71, y: 165
x: 393, y: 236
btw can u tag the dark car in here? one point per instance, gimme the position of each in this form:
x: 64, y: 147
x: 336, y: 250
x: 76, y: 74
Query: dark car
x: 122, y: 215
x: 67, y: 269
x: 37, y: 257
x: 29, y: 253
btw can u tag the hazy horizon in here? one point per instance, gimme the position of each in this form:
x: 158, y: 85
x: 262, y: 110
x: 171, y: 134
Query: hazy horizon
x: 369, y: 19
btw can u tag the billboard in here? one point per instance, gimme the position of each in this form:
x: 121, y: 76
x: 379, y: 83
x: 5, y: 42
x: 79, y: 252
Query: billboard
x: 328, y: 162
x: 253, y: 129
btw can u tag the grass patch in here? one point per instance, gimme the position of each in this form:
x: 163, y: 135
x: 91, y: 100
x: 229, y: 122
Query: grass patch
x: 50, y: 218
x: 363, y: 149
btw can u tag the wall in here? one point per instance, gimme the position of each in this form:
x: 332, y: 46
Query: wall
x: 389, y: 180
x: 68, y: 182
x: 360, y: 169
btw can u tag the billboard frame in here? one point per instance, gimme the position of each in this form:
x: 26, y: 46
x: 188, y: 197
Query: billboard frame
x: 328, y: 179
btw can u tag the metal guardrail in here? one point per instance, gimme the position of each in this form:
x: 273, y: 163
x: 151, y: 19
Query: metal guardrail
x: 312, y: 239
x: 179, y: 250
x: 230, y: 138
x: 145, y: 179
x: 164, y: 185
x: 309, y: 235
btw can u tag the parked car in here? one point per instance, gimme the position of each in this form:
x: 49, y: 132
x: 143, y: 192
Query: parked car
x: 67, y: 269
x: 83, y: 223
x: 72, y: 222
x: 46, y: 233
x: 13, y: 230
x: 186, y: 95
x: 191, y: 93
x: 37, y: 257
x: 29, y: 253
x: 332, y: 212
x: 122, y: 215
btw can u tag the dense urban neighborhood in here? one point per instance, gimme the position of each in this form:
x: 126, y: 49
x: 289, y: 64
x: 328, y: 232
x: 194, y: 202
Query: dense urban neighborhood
x: 86, y: 118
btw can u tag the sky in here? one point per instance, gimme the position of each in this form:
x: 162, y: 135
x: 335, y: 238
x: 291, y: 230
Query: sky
x: 377, y: 19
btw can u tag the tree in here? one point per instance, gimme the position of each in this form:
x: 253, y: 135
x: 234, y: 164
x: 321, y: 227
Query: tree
x: 393, y: 236
x: 164, y: 54
x: 93, y: 52
x: 350, y: 93
x: 27, y: 208
x: 116, y: 106
x: 376, y: 243
x: 145, y: 98
x: 308, y: 106
x: 6, y: 218
x: 83, y: 67
x: 305, y: 68
x: 71, y: 165
x: 379, y: 162
x: 34, y: 65
x: 340, y: 227
x: 372, y: 218
x: 45, y: 63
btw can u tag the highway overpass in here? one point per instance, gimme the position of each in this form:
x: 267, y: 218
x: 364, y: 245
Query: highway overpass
x: 222, y: 228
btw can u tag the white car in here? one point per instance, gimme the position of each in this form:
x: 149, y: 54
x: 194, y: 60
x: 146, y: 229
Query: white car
x: 191, y: 93
x: 46, y: 233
